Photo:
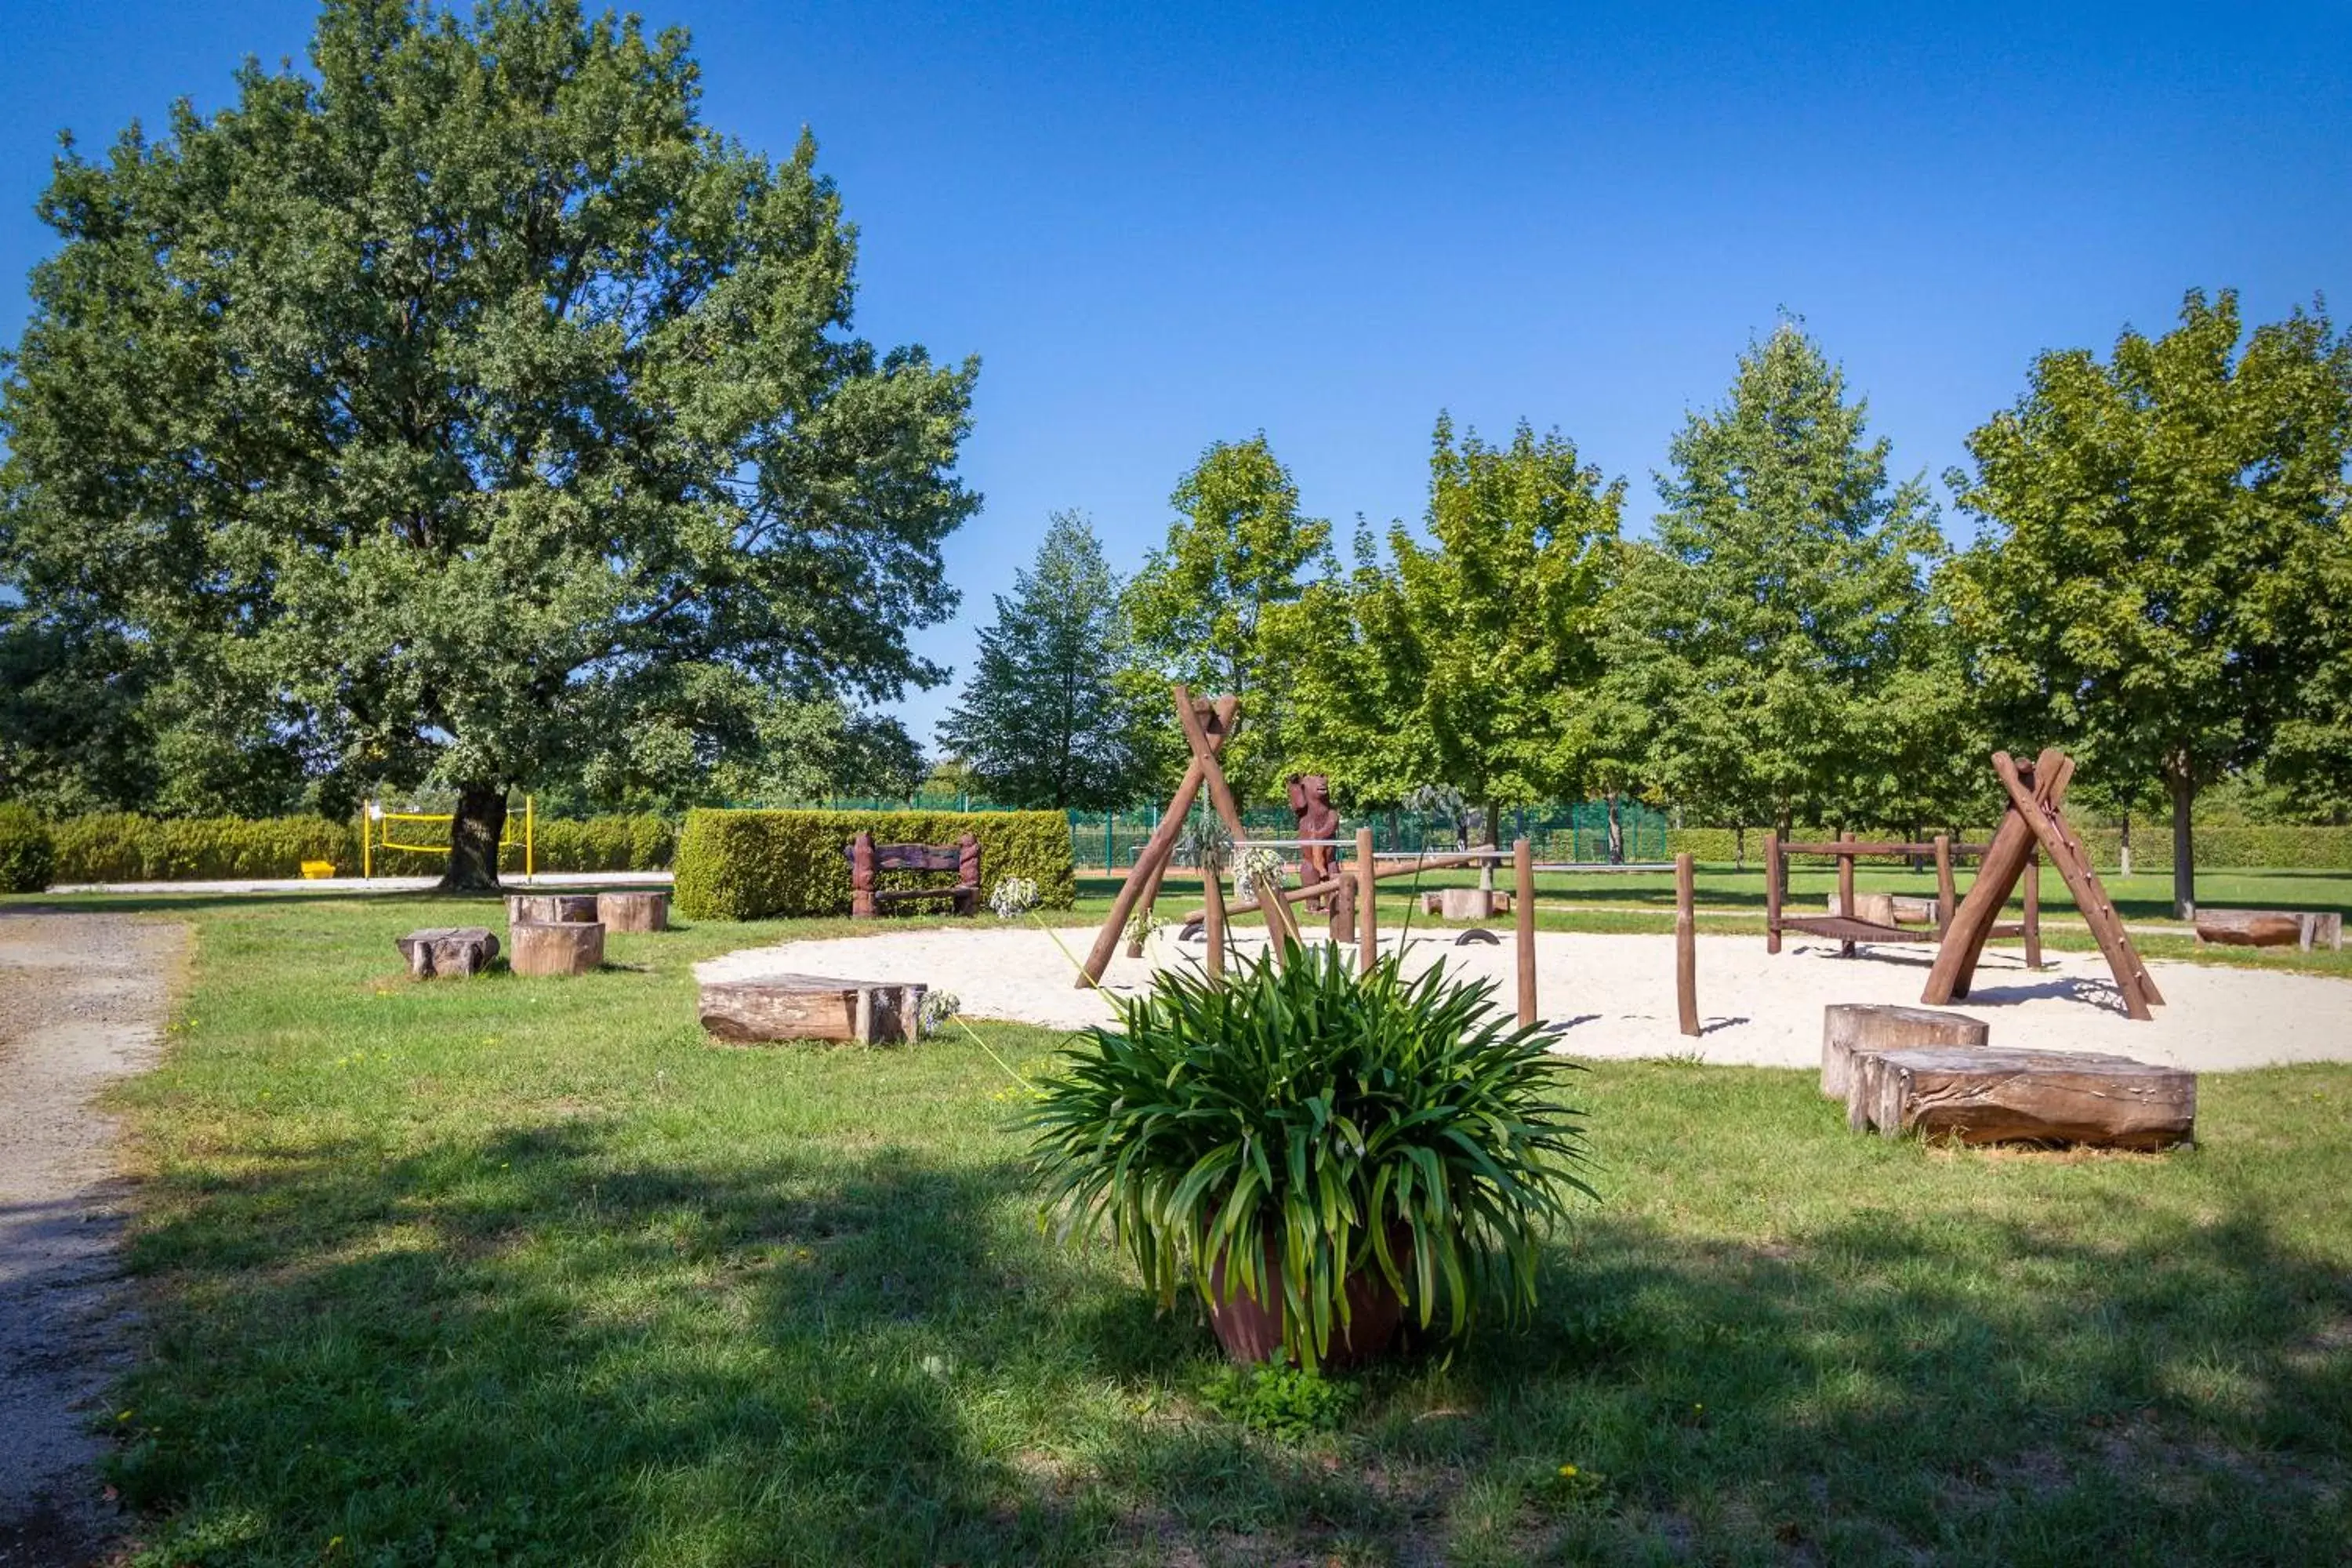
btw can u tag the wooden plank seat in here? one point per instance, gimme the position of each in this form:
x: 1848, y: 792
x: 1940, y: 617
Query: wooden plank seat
x: 1988, y: 1095
x: 869, y: 861
x: 811, y: 1007
x: 2270, y: 928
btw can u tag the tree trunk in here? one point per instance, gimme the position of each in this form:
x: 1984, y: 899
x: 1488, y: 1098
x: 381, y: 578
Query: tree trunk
x: 1616, y: 832
x: 2184, y: 850
x: 1493, y: 822
x: 2126, y: 854
x: 1739, y: 847
x: 474, y: 834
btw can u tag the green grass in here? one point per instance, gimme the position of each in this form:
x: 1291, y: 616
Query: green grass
x: 523, y: 1271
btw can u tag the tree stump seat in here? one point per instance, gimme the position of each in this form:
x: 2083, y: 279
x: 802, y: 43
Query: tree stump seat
x: 1464, y: 903
x: 550, y: 908
x: 556, y: 947
x: 1850, y: 1030
x: 772, y: 1007
x: 1985, y: 1095
x: 633, y: 911
x: 447, y: 952
x: 2270, y: 928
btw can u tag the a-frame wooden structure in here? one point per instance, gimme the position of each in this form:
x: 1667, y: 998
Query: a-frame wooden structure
x: 2036, y: 822
x: 1207, y: 724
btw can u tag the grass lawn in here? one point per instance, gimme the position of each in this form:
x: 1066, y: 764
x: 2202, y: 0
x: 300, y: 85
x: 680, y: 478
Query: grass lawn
x: 522, y: 1271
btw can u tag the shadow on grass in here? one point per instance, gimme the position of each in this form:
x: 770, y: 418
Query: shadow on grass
x: 549, y: 1347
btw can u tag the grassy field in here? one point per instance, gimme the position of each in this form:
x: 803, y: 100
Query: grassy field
x: 523, y: 1271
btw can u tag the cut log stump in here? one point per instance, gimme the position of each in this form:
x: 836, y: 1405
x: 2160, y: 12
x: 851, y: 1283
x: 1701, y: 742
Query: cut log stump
x: 1990, y: 1095
x: 556, y: 947
x: 449, y: 952
x: 2270, y: 928
x: 633, y: 911
x: 549, y: 908
x: 812, y: 1007
x: 1464, y: 903
x: 1851, y: 1029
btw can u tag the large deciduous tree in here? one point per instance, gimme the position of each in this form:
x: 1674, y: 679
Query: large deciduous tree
x: 2153, y: 587
x: 464, y: 391
x: 1198, y: 609
x: 1459, y: 663
x: 1043, y: 720
x: 1774, y: 652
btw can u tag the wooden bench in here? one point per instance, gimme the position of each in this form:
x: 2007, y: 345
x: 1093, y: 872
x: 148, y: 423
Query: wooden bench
x: 2270, y: 928
x: 869, y: 860
x: 1990, y: 1095
x: 811, y: 1007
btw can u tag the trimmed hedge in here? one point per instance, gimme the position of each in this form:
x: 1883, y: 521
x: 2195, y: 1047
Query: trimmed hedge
x: 643, y: 842
x: 28, y: 851
x: 752, y: 864
x: 2276, y: 847
x: 122, y: 846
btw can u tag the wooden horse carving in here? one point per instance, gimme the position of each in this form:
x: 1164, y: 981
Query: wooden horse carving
x: 1310, y: 802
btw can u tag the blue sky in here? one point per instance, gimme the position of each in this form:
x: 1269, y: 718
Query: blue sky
x: 1162, y: 226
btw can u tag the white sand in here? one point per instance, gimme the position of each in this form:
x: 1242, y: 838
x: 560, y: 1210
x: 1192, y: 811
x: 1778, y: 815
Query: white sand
x: 1614, y: 996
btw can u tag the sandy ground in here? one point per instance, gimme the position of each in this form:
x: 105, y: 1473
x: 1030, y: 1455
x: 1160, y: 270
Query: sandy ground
x: 82, y: 1000
x: 1614, y: 996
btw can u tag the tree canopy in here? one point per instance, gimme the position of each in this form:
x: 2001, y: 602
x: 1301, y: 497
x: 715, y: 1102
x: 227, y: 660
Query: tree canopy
x: 2153, y: 587
x: 1773, y: 652
x: 1456, y: 663
x: 1045, y: 720
x: 469, y: 400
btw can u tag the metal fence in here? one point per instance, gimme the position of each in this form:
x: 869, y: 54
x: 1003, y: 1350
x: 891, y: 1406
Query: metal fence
x: 1561, y: 831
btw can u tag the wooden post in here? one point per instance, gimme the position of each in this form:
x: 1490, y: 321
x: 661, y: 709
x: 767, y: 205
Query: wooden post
x: 2033, y: 913
x: 1523, y: 884
x: 1772, y: 890
x: 1686, y: 944
x: 1161, y: 846
x: 1343, y: 909
x: 1368, y: 897
x: 1212, y: 917
x: 1944, y: 899
x: 1845, y: 890
x: 969, y: 891
x: 861, y: 877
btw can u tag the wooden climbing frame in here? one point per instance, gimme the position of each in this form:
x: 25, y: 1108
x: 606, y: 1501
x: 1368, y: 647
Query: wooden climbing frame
x: 2036, y: 821
x: 1849, y: 926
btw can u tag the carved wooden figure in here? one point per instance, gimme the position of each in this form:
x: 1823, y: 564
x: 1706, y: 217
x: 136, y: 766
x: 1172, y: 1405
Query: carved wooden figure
x: 1310, y: 804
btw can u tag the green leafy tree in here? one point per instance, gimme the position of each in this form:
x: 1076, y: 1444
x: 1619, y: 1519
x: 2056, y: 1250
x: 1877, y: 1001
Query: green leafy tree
x: 464, y: 391
x: 1043, y: 720
x: 1774, y: 651
x: 1198, y: 610
x: 1460, y: 663
x: 2152, y: 587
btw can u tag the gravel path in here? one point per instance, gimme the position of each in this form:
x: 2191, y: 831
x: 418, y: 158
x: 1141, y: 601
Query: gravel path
x: 1613, y: 995
x: 82, y: 1002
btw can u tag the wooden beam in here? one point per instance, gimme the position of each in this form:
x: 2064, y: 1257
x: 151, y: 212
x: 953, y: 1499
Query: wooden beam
x: 1771, y: 891
x: 1685, y: 946
x: 1845, y: 887
x: 2004, y: 862
x: 1945, y: 899
x: 2045, y: 819
x: 1523, y: 912
x: 1368, y: 920
x: 1156, y: 850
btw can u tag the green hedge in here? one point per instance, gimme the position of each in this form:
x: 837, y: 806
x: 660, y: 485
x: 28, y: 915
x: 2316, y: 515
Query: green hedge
x: 2272, y: 847
x: 751, y: 865
x: 28, y: 851
x: 120, y: 846
x: 637, y: 843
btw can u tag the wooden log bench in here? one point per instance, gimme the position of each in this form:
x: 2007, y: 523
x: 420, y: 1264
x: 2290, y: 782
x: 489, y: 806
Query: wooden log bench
x: 1990, y: 1095
x: 869, y: 860
x: 811, y: 1007
x: 556, y: 947
x: 633, y: 911
x: 447, y: 952
x: 2270, y: 928
x: 1855, y: 1029
x: 549, y: 908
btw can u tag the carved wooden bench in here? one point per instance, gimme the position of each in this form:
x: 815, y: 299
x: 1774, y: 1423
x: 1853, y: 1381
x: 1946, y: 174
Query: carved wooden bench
x: 869, y: 860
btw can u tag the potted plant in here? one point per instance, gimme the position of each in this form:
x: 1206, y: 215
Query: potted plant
x: 1317, y: 1152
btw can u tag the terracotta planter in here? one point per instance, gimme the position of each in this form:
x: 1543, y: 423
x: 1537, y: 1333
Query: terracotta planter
x: 1251, y: 1331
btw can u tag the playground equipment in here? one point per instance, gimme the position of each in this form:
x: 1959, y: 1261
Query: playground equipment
x: 376, y: 833
x: 1851, y: 921
x: 2036, y: 821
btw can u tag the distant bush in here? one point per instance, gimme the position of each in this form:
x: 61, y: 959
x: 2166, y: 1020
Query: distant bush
x: 28, y: 852
x: 2270, y: 846
x: 121, y: 847
x: 751, y: 865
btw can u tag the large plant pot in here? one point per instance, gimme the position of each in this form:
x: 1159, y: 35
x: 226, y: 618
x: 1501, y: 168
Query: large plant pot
x: 1251, y: 1331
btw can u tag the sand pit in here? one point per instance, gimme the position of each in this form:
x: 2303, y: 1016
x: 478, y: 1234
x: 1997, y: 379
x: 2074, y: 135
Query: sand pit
x: 1613, y: 995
